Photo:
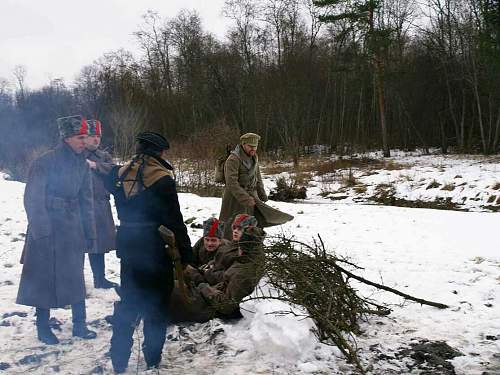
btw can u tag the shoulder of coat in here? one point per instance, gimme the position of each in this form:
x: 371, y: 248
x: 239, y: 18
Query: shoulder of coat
x: 101, y: 154
x: 44, y: 158
x: 233, y: 157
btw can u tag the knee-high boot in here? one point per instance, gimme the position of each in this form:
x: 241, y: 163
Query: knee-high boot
x: 44, y: 332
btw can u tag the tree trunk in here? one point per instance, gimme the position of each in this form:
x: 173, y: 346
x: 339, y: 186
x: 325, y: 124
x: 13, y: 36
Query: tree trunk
x: 475, y: 87
x: 379, y: 82
x: 381, y: 105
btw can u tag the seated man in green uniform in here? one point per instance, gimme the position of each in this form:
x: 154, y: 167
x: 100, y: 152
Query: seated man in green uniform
x: 233, y: 275
x: 206, y: 248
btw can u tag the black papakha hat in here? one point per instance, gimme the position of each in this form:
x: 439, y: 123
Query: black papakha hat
x: 153, y: 138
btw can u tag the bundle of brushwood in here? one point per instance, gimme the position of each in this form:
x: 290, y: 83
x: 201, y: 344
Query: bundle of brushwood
x: 308, y: 275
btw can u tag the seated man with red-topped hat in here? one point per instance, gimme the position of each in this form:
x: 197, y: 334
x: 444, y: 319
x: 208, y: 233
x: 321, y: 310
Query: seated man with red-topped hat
x: 228, y: 279
x: 206, y: 248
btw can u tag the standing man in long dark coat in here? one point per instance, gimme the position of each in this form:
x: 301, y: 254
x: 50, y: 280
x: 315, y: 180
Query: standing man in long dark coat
x: 145, y: 197
x: 100, y: 163
x: 244, y: 192
x: 58, y: 203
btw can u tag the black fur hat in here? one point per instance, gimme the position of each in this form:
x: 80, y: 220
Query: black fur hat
x: 155, y: 139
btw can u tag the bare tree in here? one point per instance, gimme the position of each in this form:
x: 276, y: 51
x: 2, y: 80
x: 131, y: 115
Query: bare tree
x: 20, y: 73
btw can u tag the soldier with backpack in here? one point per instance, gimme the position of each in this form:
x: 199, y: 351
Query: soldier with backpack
x: 244, y: 192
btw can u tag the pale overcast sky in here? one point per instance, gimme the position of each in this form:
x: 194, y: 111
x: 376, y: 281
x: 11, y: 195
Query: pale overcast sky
x: 56, y: 38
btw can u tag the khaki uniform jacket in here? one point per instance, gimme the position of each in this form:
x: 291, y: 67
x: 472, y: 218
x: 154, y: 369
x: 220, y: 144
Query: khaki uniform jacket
x: 202, y: 256
x: 231, y: 284
x: 238, y: 282
x: 59, y: 205
x: 203, y: 261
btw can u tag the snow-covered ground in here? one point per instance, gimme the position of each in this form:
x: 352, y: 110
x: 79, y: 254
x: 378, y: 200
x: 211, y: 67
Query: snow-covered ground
x: 445, y: 256
x: 470, y: 182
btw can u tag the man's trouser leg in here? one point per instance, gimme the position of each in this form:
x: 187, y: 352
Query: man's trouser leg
x: 157, y: 297
x: 80, y: 321
x: 79, y: 313
x: 97, y: 265
x: 125, y: 319
x: 155, y: 330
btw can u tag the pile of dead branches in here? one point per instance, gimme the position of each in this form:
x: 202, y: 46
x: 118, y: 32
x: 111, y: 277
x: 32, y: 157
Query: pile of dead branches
x: 308, y: 275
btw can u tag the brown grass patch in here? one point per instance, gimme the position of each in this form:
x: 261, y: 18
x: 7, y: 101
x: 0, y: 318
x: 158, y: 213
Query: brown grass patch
x: 302, y: 178
x: 276, y: 168
x: 491, y: 199
x: 348, y: 179
x: 384, y: 186
x: 387, y: 198
x: 433, y: 185
x: 406, y: 177
x: 496, y: 186
x: 448, y: 187
x: 332, y: 166
x: 360, y: 189
x: 319, y: 166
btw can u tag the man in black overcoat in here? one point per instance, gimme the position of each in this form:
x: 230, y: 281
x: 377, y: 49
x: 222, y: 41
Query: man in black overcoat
x: 145, y: 198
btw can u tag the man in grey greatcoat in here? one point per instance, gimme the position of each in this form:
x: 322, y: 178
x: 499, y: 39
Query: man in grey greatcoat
x: 100, y: 163
x: 59, y: 206
x: 244, y: 192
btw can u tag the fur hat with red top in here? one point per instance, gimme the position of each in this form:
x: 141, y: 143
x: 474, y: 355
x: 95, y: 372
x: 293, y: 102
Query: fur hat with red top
x: 213, y: 228
x: 72, y: 125
x: 244, y: 221
x: 94, y: 127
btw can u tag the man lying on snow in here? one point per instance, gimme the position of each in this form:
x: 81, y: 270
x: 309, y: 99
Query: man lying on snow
x: 215, y: 291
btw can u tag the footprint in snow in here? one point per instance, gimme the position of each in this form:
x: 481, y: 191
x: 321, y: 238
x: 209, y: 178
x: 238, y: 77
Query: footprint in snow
x: 4, y: 366
x: 15, y: 313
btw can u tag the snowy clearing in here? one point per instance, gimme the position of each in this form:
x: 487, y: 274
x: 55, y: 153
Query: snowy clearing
x: 445, y: 256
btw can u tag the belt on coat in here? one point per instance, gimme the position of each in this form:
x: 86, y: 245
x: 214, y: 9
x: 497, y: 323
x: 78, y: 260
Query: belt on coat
x: 58, y: 203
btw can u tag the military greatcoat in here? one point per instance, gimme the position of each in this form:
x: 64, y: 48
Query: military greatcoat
x: 105, y: 226
x: 59, y: 205
x: 243, y: 182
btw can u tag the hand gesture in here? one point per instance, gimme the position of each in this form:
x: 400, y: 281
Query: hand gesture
x: 92, y: 164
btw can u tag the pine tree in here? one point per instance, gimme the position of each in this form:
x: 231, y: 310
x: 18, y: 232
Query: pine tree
x: 361, y: 15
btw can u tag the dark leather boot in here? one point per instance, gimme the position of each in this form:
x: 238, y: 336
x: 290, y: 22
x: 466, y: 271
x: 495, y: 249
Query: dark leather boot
x: 103, y: 283
x: 46, y: 335
x: 44, y: 332
x: 81, y: 330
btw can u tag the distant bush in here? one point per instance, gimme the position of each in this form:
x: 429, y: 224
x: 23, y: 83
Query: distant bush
x: 18, y: 169
x: 287, y: 190
x: 194, y: 159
